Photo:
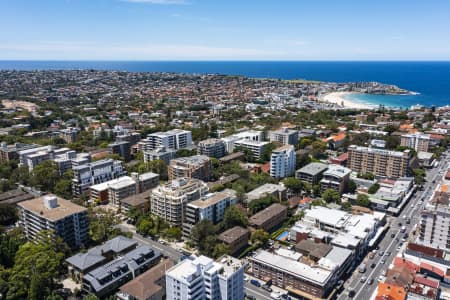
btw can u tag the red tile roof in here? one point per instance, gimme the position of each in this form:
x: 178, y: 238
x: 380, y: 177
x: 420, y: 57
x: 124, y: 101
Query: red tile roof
x: 434, y: 283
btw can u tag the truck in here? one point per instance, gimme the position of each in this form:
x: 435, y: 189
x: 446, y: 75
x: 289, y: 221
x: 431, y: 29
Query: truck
x: 362, y: 268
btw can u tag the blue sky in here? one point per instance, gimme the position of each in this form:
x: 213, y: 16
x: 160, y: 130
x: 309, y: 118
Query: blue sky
x: 225, y: 30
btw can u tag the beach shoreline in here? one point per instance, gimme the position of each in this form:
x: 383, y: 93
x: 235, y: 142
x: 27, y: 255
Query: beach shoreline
x: 339, y: 98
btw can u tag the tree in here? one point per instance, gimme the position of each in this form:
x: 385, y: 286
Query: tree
x: 304, y: 142
x: 302, y: 160
x: 368, y: 176
x: 419, y: 176
x: 45, y: 175
x: 203, y: 236
x: 351, y: 188
x: 8, y: 214
x: 259, y: 237
x: 186, y: 152
x: 392, y: 142
x: 373, y: 188
x: 363, y: 200
x: 36, y: 268
x: 173, y: 233
x: 9, y: 245
x: 102, y: 225
x: 233, y: 216
x: 63, y: 188
x: 294, y: 184
x: 319, y: 149
x: 267, y: 151
x: 261, y: 203
x: 330, y: 195
x: 221, y: 249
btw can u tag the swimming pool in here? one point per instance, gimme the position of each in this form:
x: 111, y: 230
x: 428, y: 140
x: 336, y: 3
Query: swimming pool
x: 283, y: 236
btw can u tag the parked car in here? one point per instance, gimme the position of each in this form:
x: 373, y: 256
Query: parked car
x: 266, y: 288
x: 373, y: 266
x: 363, y: 279
x: 255, y: 282
x: 370, y: 281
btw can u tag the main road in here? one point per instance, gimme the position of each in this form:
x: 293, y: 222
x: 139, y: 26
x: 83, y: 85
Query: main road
x: 393, y: 238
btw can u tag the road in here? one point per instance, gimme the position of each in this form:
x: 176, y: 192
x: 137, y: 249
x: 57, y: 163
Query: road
x: 165, y: 250
x: 390, y: 244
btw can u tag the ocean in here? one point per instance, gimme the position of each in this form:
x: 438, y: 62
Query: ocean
x: 430, y: 79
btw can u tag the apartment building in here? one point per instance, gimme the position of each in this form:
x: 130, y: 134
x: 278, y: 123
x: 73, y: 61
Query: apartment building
x: 284, y: 136
x: 205, y: 279
x: 236, y: 238
x: 311, y: 173
x: 279, y: 191
x: 116, y: 190
x: 169, y: 201
x: 159, y: 153
x: 256, y: 148
x: 282, y: 162
x: 172, y: 139
x: 434, y: 225
x: 269, y: 218
x: 249, y: 135
x: 34, y: 156
x: 212, y: 148
x: 66, y: 161
x: 69, y: 134
x: 123, y: 149
x: 11, y: 152
x: 107, y: 278
x: 197, y: 166
x: 209, y: 207
x: 304, y: 278
x: 150, y: 285
x: 66, y: 219
x: 94, y: 173
x: 379, y: 162
x: 336, y: 177
x: 416, y: 141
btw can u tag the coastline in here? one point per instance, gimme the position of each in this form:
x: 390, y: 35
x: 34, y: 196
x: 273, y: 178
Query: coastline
x: 339, y: 99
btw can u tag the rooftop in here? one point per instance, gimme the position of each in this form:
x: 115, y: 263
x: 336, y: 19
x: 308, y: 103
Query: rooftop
x: 117, y: 183
x: 213, y: 198
x: 379, y: 151
x: 313, y: 168
x: 267, y: 213
x: 317, y: 275
x: 232, y: 234
x: 63, y: 209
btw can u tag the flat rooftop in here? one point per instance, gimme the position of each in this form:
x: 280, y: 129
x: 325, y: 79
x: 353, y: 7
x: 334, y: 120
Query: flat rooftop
x: 313, y: 274
x: 115, y: 183
x: 213, y: 198
x: 63, y: 209
x: 232, y: 234
x: 313, y: 168
x: 266, y: 214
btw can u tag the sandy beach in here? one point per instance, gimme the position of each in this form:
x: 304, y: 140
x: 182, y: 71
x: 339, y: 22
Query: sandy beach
x: 339, y: 99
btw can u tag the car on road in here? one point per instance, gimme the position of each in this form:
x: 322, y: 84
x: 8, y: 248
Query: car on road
x: 370, y: 281
x: 383, y: 261
x: 381, y: 253
x: 275, y: 295
x: 250, y: 297
x: 351, y: 293
x: 266, y: 288
x: 255, y: 282
x: 373, y: 266
x: 286, y: 297
x: 380, y: 278
x: 392, y: 235
x: 387, y: 253
x: 363, y: 279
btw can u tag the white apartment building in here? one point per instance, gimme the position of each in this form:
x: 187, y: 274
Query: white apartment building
x: 212, y: 148
x: 255, y: 147
x: 172, y: 139
x: 94, y: 173
x: 434, y: 226
x: 169, y: 201
x: 282, y: 162
x: 159, y: 153
x: 204, y: 279
x: 210, y: 207
x: 285, y: 136
x: 249, y: 135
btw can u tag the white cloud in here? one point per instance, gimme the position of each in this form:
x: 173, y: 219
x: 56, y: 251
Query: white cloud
x: 164, y: 2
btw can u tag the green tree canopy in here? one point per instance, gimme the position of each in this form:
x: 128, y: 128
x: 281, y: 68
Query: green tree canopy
x: 259, y: 237
x: 330, y: 195
x: 373, y: 188
x: 233, y: 216
x: 363, y: 200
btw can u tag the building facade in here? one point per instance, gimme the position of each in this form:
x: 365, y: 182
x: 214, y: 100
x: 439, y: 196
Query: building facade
x: 209, y: 207
x: 336, y: 177
x: 94, y: 173
x: 282, y: 162
x: 173, y: 139
x: 284, y: 136
x: 169, y: 201
x: 311, y: 173
x: 212, y: 148
x: 197, y: 166
x: 160, y: 153
x: 204, y: 279
x: 64, y: 218
x: 379, y: 162
x: 416, y: 141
